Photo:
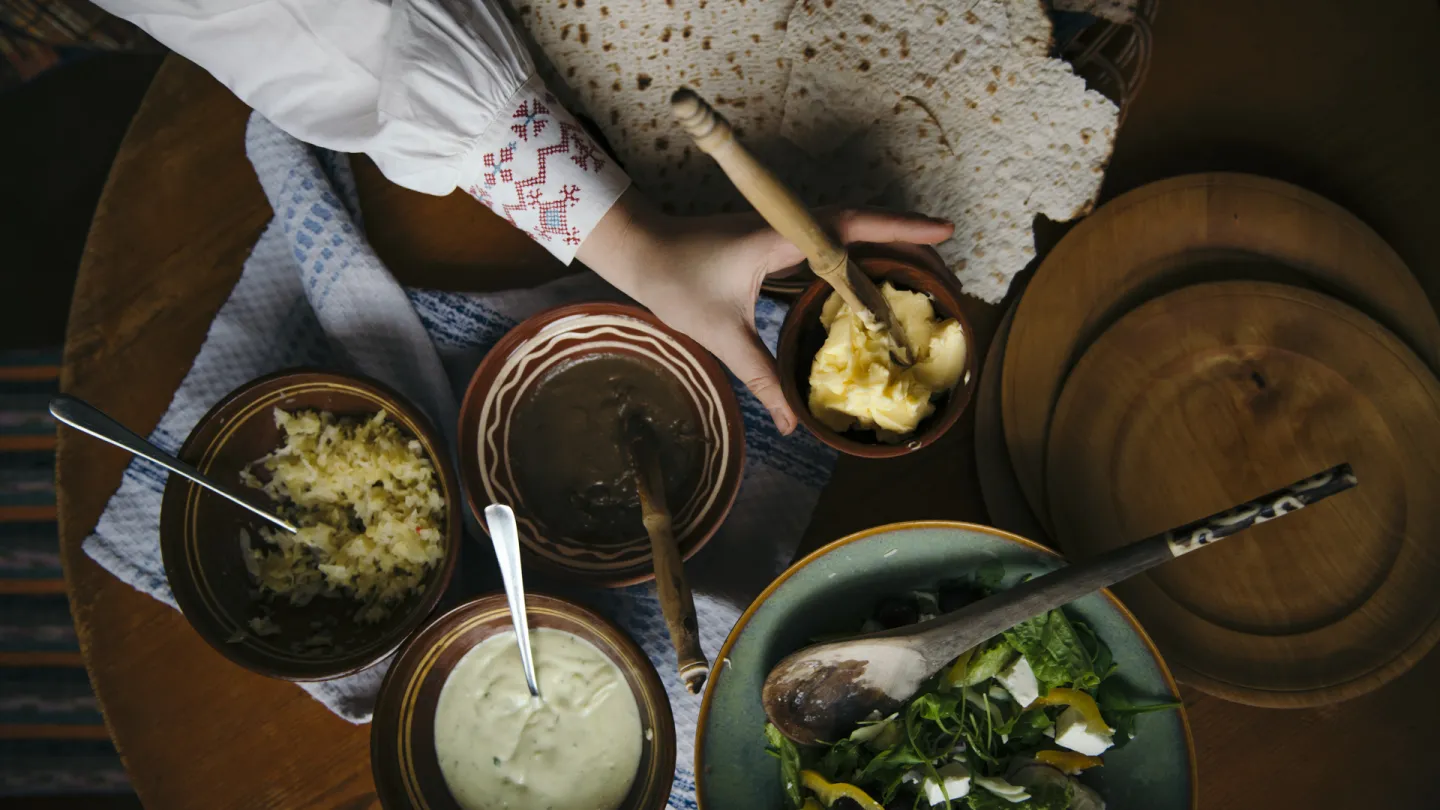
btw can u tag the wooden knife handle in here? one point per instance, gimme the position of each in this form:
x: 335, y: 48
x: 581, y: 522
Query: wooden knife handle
x: 676, y: 601
x: 772, y: 198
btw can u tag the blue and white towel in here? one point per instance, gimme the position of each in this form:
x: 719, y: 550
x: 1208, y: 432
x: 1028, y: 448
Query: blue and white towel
x: 313, y: 292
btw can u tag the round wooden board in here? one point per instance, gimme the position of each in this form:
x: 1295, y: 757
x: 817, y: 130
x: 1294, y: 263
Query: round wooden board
x: 1214, y: 394
x: 1169, y: 234
x: 1004, y: 499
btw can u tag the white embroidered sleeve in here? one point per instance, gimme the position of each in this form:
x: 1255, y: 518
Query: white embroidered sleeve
x: 538, y: 168
x: 427, y: 88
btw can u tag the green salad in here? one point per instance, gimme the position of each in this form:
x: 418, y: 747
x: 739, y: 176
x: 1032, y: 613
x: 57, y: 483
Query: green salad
x: 1008, y: 725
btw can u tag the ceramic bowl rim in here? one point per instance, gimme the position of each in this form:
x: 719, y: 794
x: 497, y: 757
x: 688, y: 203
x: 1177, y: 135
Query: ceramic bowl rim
x: 1023, y: 542
x: 469, y: 424
x: 450, y: 483
x: 651, y: 691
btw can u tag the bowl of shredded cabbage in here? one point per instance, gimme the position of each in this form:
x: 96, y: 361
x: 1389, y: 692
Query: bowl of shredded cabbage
x: 368, y: 485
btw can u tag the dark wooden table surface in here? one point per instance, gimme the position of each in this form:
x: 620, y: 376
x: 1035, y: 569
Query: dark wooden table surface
x: 1342, y: 98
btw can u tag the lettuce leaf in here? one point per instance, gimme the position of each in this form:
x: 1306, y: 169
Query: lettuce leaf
x: 840, y: 761
x: 1027, y: 730
x: 982, y: 799
x: 1120, y: 708
x: 1102, y: 661
x: 988, y: 661
x: 887, y: 770
x: 784, y: 750
x: 1055, y: 651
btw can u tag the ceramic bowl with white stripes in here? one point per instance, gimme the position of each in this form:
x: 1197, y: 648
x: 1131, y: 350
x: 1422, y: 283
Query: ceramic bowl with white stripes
x: 527, y: 359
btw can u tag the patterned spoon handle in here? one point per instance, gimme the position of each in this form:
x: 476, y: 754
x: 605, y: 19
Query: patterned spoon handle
x: 948, y: 636
x: 1281, y: 502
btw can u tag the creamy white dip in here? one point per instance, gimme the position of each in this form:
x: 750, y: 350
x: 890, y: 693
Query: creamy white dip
x: 577, y: 749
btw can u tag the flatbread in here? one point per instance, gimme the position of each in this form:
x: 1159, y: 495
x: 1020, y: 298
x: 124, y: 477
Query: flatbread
x: 623, y: 58
x: 1024, y: 134
x: 1031, y: 31
x: 957, y: 113
x: 1119, y: 11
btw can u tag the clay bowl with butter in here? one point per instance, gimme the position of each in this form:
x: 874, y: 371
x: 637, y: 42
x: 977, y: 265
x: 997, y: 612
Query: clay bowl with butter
x: 404, y: 756
x: 204, y: 555
x: 802, y: 335
x: 542, y: 431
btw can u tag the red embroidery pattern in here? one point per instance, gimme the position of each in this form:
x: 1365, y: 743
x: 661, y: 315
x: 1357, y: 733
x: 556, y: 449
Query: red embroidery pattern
x: 498, y: 167
x: 529, y: 116
x: 528, y: 203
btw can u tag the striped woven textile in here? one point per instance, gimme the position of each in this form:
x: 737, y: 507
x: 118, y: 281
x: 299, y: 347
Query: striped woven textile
x: 36, y: 35
x: 52, y: 738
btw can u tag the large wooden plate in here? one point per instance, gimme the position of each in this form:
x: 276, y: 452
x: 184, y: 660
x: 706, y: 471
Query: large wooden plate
x: 1004, y: 499
x: 1169, y: 234
x: 1214, y: 394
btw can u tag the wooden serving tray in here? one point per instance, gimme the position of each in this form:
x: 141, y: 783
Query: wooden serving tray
x: 1182, y: 231
x: 1216, y: 393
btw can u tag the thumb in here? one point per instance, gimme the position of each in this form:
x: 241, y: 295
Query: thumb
x: 740, y: 349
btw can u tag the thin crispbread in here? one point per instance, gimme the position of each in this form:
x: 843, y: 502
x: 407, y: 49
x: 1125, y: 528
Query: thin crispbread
x: 1025, y: 135
x: 831, y: 95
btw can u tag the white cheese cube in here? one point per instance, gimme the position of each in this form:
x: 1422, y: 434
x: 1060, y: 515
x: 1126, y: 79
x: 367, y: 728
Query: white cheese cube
x: 1071, y: 731
x: 1019, y: 680
x: 954, y: 778
x: 1010, y: 793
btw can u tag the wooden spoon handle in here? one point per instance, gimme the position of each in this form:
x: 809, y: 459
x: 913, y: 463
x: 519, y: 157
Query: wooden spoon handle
x: 772, y: 198
x: 959, y: 631
x: 676, y: 601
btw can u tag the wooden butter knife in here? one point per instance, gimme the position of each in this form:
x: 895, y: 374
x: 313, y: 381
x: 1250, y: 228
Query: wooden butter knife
x: 676, y: 601
x: 788, y: 215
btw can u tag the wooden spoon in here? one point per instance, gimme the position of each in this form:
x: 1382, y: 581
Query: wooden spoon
x: 820, y: 693
x: 786, y: 214
x: 676, y: 601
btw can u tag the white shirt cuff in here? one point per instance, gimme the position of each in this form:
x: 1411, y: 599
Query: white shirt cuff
x: 536, y: 166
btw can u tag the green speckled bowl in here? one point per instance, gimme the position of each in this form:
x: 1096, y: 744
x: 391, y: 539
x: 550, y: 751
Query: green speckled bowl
x: 835, y: 590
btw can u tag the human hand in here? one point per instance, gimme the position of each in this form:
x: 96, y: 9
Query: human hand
x: 702, y: 275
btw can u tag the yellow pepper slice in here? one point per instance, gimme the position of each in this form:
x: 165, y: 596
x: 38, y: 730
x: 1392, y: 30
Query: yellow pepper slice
x: 956, y: 675
x: 1077, y: 700
x: 811, y: 804
x: 1068, y: 761
x: 828, y: 792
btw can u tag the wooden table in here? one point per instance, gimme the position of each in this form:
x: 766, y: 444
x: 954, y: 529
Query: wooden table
x: 1299, y: 90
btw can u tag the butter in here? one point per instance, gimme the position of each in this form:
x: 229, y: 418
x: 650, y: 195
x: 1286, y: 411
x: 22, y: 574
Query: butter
x: 854, y: 385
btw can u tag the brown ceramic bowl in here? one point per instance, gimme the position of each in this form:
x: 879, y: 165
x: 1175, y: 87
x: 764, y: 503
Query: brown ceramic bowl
x: 801, y: 336
x: 552, y: 340
x: 402, y: 737
x: 200, y: 532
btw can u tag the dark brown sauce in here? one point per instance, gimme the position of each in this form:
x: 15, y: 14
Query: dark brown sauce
x: 570, y: 456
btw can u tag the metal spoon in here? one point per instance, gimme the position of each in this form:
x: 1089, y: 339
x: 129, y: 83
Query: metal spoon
x: 505, y: 536
x: 820, y: 693
x: 87, y: 418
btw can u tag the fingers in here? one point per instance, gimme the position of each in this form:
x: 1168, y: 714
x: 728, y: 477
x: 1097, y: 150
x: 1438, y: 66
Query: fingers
x: 871, y: 225
x: 860, y: 225
x: 741, y: 350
